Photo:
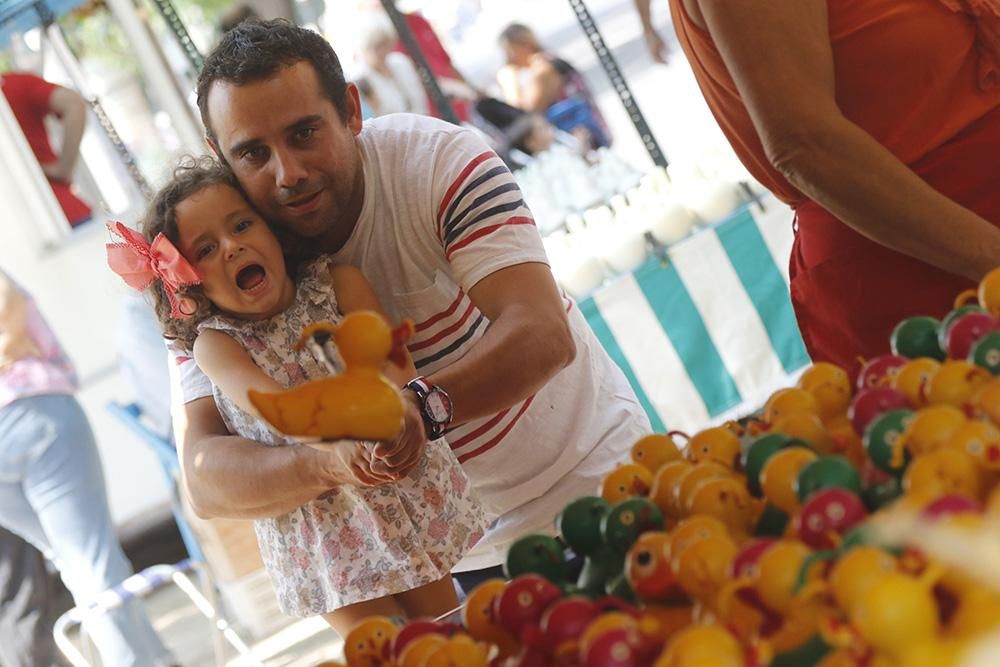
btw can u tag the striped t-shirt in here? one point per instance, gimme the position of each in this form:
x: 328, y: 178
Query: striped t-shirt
x: 441, y: 212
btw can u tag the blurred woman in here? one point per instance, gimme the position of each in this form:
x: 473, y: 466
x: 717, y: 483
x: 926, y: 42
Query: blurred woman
x: 52, y: 490
x: 534, y: 80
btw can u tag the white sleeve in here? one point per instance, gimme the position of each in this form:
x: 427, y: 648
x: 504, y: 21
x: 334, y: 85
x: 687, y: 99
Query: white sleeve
x: 483, y: 223
x: 187, y: 382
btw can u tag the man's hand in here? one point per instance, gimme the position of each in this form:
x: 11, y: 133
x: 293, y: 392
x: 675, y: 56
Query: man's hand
x: 402, y: 455
x: 351, y: 463
x: 657, y: 47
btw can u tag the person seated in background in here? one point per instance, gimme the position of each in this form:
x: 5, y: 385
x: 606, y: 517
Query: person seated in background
x: 33, y: 99
x: 536, y: 81
x: 389, y: 77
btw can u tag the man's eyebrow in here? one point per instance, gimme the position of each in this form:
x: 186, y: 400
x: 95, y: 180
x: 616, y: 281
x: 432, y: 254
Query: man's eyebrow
x: 238, y: 148
x: 308, y: 120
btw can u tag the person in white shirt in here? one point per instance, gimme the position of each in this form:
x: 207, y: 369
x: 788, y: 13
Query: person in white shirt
x: 388, y: 79
x: 510, y: 372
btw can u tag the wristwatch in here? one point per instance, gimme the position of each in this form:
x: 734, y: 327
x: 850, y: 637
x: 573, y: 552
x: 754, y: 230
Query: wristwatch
x: 435, y: 406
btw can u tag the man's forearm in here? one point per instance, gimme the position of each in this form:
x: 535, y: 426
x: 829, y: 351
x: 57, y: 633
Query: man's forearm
x: 231, y: 477
x: 515, y: 358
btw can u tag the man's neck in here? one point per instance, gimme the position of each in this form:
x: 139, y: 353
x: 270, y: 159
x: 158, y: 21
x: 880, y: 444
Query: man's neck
x: 340, y: 231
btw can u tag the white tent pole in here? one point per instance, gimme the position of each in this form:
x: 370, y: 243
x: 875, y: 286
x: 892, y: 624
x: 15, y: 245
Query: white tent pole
x: 159, y: 78
x: 48, y: 220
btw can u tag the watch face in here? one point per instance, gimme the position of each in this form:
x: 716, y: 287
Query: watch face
x: 438, y: 408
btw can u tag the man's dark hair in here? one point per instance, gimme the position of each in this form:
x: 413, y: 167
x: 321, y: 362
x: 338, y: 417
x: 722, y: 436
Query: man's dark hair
x: 256, y: 50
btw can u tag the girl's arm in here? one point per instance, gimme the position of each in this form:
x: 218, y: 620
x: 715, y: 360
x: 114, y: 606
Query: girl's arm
x: 231, y: 369
x: 355, y: 293
x: 780, y: 57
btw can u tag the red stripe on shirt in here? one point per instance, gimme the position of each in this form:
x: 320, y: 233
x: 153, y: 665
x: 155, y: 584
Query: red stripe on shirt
x: 476, y: 161
x: 440, y: 316
x: 484, y: 231
x: 495, y: 441
x: 416, y: 347
x: 469, y: 437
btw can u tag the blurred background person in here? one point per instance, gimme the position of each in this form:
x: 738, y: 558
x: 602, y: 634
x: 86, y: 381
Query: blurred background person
x: 387, y: 78
x: 52, y: 490
x: 29, y: 603
x: 33, y: 99
x: 534, y: 80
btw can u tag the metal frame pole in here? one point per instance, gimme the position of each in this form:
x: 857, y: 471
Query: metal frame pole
x: 610, y: 66
x: 161, y: 83
x: 441, y: 101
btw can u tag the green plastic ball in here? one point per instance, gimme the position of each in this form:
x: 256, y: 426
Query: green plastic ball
x: 827, y: 472
x: 881, y: 435
x: 917, y: 337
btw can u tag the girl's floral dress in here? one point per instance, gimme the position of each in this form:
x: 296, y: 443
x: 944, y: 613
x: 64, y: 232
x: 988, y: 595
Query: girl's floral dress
x: 351, y: 544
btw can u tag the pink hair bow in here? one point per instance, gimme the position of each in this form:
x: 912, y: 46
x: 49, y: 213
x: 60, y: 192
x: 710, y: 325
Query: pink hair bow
x: 140, y: 264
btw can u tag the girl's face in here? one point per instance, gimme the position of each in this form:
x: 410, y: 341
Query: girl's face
x: 240, y: 261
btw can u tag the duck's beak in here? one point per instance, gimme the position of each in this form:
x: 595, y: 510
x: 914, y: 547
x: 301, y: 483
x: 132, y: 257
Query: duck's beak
x: 402, y: 333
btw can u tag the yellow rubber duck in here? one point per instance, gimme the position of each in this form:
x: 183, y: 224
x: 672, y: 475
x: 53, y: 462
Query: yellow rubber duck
x: 360, y: 403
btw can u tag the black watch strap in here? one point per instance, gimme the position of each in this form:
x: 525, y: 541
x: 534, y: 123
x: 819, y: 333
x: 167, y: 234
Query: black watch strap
x: 435, y: 406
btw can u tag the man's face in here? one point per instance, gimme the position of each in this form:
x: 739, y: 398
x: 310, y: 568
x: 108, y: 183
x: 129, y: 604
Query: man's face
x: 294, y: 155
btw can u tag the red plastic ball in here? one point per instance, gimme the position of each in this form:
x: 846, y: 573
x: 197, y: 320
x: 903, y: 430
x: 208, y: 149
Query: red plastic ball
x: 877, y: 371
x: 966, y: 330
x: 826, y: 514
x: 950, y: 505
x: 870, y: 403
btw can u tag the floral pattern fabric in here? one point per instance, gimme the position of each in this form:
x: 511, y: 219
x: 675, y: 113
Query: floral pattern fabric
x: 351, y: 544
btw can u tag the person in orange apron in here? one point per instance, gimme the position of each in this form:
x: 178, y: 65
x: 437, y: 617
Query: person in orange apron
x: 878, y: 121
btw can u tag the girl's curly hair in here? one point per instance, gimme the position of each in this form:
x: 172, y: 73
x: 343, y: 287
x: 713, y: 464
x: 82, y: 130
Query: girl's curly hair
x: 191, y: 176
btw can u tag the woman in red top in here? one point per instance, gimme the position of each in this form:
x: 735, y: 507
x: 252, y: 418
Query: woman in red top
x: 32, y: 98
x: 878, y: 121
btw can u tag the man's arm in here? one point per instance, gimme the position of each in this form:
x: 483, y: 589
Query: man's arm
x: 528, y: 342
x: 71, y: 109
x: 657, y: 48
x: 233, y: 477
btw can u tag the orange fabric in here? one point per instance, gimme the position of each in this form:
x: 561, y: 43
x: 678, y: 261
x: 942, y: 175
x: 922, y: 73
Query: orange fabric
x: 906, y: 72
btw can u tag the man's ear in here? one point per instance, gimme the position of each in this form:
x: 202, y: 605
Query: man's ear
x: 354, y: 117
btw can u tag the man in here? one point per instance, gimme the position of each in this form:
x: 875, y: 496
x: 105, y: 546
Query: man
x: 32, y: 99
x: 529, y: 401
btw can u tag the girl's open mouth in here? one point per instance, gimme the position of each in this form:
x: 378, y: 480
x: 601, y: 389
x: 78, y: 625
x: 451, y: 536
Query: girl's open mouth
x: 250, y: 276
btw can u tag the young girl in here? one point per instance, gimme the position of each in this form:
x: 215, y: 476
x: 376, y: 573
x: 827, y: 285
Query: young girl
x: 356, y: 551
